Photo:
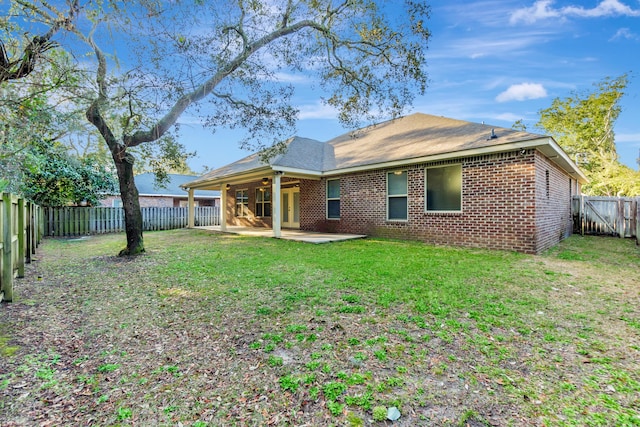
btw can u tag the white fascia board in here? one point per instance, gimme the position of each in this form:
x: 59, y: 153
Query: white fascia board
x: 565, y: 162
x: 299, y: 173
x: 237, y: 178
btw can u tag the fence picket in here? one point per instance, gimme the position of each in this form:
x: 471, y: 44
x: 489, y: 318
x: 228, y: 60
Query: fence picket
x: 617, y: 216
x: 78, y: 221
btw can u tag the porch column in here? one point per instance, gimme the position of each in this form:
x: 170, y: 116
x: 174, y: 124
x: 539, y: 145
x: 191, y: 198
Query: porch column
x: 223, y: 207
x: 276, y: 215
x: 191, y: 206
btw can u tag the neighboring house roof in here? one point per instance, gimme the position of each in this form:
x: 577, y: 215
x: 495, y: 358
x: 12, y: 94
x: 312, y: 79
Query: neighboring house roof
x: 407, y: 140
x: 147, y: 187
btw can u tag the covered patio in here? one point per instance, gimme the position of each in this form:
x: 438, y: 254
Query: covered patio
x: 286, y: 234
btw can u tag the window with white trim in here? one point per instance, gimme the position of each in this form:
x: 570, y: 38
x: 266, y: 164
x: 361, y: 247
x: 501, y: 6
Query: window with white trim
x: 443, y: 188
x: 397, y: 196
x: 263, y: 202
x: 333, y: 199
x: 242, y: 203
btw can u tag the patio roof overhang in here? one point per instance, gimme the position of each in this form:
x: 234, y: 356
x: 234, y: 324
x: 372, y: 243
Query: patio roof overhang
x: 250, y: 176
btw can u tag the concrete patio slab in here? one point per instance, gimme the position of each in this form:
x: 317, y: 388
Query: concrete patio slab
x: 287, y: 234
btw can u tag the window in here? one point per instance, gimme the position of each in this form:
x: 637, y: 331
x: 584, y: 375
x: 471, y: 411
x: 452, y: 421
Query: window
x: 333, y: 199
x: 263, y: 201
x: 242, y: 203
x: 117, y: 203
x: 444, y: 188
x: 185, y: 203
x: 397, y: 196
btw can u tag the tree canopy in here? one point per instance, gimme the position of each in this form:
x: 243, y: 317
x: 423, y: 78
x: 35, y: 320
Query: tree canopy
x: 583, y: 125
x: 34, y: 160
x: 228, y: 64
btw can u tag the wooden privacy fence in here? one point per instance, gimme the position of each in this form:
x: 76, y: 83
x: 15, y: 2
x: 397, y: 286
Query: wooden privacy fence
x: 615, y: 216
x: 21, y: 230
x: 79, y: 221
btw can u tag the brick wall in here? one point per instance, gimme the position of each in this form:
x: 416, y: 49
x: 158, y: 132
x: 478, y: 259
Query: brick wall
x: 554, y: 189
x: 108, y: 201
x: 501, y: 205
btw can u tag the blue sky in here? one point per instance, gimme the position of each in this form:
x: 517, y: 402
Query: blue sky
x: 495, y: 61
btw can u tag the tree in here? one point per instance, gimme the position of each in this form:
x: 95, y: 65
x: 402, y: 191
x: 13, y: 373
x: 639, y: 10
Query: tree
x: 368, y: 56
x: 34, y: 161
x: 582, y: 124
x: 53, y: 178
x: 14, y: 66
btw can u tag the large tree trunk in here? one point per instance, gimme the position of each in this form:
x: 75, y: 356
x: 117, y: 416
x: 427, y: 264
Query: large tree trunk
x: 128, y: 192
x: 131, y: 205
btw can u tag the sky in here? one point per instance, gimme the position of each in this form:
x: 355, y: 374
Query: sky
x: 493, y: 61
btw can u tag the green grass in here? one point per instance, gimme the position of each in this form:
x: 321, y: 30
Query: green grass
x: 250, y: 331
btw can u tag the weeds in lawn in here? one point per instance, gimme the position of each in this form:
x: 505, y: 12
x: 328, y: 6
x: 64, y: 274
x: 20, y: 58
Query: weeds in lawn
x: 337, y: 337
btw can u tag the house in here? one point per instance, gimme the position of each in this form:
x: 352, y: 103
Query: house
x: 424, y: 177
x: 170, y: 196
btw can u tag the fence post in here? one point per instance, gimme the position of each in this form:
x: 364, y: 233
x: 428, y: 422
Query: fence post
x: 7, y: 262
x: 582, y: 215
x: 620, y: 219
x: 21, y: 236
x: 28, y: 232
x: 637, y: 210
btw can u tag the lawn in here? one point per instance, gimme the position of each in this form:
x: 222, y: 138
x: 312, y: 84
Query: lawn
x: 211, y: 330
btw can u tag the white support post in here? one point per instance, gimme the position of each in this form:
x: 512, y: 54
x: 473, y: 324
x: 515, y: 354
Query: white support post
x: 191, y: 206
x: 276, y: 209
x: 223, y: 207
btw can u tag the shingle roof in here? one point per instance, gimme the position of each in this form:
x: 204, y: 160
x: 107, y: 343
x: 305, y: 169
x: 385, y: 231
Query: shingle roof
x: 417, y: 136
x: 145, y: 183
x: 300, y: 153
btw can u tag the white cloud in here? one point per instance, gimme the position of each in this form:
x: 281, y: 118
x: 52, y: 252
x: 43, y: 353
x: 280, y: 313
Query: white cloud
x: 489, y: 45
x: 634, y: 138
x: 605, y: 8
x: 317, y: 111
x: 625, y: 33
x: 283, y: 77
x: 543, y: 9
x: 522, y: 92
x: 540, y: 10
x: 509, y: 117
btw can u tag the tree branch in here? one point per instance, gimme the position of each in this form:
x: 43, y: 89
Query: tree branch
x: 13, y: 70
x: 169, y: 119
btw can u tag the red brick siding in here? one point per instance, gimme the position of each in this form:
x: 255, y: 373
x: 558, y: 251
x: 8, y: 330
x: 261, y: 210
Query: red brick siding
x: 108, y: 201
x: 499, y: 201
x: 553, y: 208
x: 145, y: 201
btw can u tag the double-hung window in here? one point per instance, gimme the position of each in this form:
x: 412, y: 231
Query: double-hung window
x: 397, y: 200
x: 333, y: 199
x: 263, y: 201
x: 242, y: 203
x: 444, y: 188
